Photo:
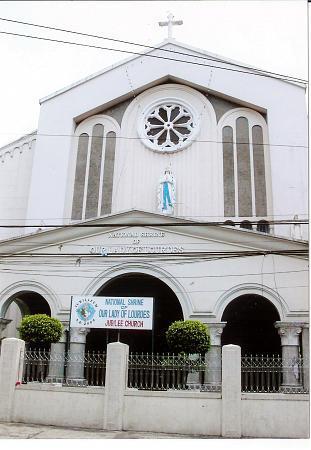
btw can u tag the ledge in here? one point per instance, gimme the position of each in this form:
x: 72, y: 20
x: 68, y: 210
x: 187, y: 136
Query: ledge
x: 171, y: 393
x: 53, y: 388
x: 274, y: 396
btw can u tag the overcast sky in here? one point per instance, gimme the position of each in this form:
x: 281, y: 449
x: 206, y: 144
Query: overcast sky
x: 271, y: 35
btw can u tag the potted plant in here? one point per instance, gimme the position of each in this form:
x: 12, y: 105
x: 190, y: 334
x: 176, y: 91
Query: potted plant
x: 39, y: 331
x: 191, y: 339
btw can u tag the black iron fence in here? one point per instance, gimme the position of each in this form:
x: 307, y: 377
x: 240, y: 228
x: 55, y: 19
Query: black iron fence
x: 259, y: 373
x: 161, y: 372
x: 272, y: 373
x: 49, y: 367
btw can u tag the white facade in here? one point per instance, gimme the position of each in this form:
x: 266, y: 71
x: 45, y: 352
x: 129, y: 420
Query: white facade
x: 143, y: 81
x: 120, y: 186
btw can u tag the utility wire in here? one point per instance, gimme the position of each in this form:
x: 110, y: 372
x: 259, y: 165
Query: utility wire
x: 142, y: 55
x: 148, y: 139
x: 176, y: 291
x: 68, y: 244
x: 267, y: 218
x: 175, y: 255
x: 150, y: 47
x: 61, y: 273
x: 160, y: 224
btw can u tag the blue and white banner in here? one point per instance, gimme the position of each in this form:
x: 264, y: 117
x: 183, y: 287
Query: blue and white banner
x: 124, y: 313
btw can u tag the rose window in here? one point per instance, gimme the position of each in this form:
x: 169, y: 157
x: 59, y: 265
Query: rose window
x: 168, y: 127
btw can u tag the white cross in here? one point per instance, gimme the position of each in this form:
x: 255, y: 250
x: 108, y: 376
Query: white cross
x: 169, y: 24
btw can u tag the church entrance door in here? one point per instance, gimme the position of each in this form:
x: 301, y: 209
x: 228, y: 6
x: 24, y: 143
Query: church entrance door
x: 166, y: 310
x: 250, y: 324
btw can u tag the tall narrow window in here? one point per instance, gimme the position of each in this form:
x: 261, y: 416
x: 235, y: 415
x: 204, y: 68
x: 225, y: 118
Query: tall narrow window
x: 94, y: 171
x: 108, y: 173
x: 245, y: 179
x: 244, y: 168
x: 93, y: 185
x: 77, y: 203
x: 259, y: 171
x: 228, y: 171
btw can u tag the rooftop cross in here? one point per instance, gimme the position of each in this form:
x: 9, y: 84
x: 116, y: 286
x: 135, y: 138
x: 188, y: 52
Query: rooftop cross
x: 169, y: 24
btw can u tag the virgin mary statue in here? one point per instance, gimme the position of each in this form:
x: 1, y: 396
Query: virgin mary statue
x: 167, y: 192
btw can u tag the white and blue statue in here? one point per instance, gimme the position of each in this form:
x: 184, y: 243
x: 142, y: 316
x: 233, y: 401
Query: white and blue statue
x: 167, y: 192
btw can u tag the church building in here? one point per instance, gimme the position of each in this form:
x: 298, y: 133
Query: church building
x: 175, y: 174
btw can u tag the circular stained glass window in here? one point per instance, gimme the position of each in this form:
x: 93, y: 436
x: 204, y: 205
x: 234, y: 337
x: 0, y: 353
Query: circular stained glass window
x: 168, y: 127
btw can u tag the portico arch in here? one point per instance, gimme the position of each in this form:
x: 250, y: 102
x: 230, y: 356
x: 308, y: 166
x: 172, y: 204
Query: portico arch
x: 24, y: 298
x: 251, y: 289
x: 10, y: 293
x: 135, y: 283
x: 250, y: 320
x: 148, y: 269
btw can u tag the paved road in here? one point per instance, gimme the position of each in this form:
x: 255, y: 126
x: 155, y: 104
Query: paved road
x: 22, y: 431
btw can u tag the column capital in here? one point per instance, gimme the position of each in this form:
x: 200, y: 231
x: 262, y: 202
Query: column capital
x: 78, y: 335
x: 289, y: 332
x: 215, y: 331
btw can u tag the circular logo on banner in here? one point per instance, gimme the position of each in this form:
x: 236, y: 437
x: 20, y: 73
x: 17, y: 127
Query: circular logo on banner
x: 86, y: 312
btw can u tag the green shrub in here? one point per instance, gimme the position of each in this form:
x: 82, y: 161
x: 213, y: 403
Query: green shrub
x: 189, y: 336
x: 40, y: 329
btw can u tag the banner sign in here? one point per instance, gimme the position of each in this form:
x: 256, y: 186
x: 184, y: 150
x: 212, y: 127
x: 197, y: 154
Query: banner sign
x: 124, y: 313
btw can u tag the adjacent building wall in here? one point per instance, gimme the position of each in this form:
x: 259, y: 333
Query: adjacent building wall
x: 16, y: 161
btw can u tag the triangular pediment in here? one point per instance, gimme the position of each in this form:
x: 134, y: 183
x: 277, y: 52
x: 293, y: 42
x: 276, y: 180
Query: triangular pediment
x: 141, y: 232
x: 166, y: 62
x: 168, y: 50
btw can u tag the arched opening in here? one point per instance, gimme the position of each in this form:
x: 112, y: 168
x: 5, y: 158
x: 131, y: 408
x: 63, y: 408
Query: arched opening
x: 229, y: 223
x: 263, y: 226
x: 22, y: 304
x: 246, y: 225
x: 166, y: 309
x: 250, y: 324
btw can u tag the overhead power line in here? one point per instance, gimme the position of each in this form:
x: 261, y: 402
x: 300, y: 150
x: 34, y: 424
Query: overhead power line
x: 148, y: 139
x: 160, y: 224
x: 149, y: 56
x: 193, y: 216
x: 63, y: 273
x: 288, y: 77
x: 167, y: 254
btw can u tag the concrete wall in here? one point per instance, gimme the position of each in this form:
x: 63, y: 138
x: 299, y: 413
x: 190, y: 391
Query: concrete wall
x: 275, y: 415
x: 60, y: 406
x: 228, y: 414
x: 173, y: 412
x: 263, y: 415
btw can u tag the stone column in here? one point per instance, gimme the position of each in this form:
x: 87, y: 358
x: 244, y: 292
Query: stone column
x: 3, y: 324
x: 11, y: 372
x: 75, y: 364
x: 289, y: 332
x: 305, y: 355
x: 231, y: 392
x: 213, y: 356
x: 57, y: 359
x: 115, y: 385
